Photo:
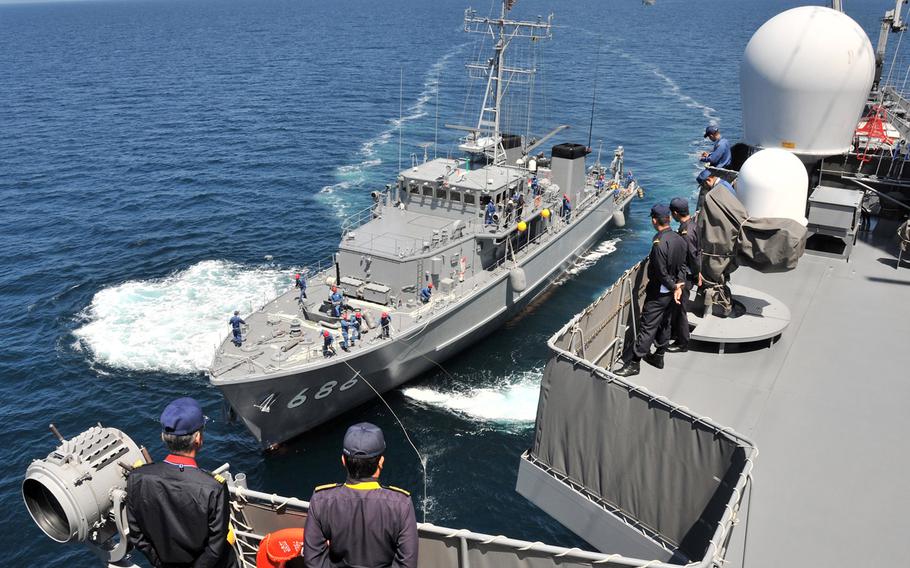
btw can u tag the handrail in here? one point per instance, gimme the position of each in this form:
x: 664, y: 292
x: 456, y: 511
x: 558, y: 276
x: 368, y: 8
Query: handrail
x: 359, y: 218
x: 879, y: 193
x: 429, y: 530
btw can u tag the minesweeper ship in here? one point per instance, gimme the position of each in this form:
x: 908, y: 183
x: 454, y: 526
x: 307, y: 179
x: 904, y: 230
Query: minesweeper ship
x: 432, y: 227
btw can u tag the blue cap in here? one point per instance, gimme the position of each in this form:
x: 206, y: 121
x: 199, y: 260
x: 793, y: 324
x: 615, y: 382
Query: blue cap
x: 660, y: 210
x: 181, y: 417
x: 711, y: 129
x: 364, y: 440
x: 704, y: 175
x: 679, y: 205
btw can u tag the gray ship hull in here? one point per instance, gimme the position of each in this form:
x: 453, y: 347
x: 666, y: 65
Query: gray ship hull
x: 281, y: 406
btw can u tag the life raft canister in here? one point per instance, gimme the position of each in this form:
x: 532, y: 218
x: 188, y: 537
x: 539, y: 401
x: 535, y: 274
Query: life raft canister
x: 278, y: 548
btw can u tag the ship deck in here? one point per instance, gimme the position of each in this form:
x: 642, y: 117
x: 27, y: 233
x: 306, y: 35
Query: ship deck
x: 269, y: 347
x: 399, y: 232
x: 825, y: 406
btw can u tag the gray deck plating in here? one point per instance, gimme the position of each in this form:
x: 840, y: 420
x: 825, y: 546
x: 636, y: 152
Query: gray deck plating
x: 827, y: 407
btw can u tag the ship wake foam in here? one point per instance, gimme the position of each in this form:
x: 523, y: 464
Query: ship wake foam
x: 673, y: 89
x: 670, y: 88
x: 591, y: 257
x: 512, y: 400
x: 356, y: 175
x: 173, y: 324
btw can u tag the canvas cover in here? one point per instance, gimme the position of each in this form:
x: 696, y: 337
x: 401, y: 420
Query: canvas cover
x: 659, y: 468
x: 728, y: 238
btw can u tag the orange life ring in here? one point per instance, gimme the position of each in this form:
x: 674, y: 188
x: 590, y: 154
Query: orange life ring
x: 279, y: 547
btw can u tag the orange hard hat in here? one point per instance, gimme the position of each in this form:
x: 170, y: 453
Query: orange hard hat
x: 334, y: 288
x: 297, y: 276
x: 358, y: 315
x: 430, y: 285
x: 385, y: 314
x: 325, y: 333
x: 279, y: 547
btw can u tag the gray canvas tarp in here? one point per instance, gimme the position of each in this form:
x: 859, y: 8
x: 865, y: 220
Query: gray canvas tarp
x: 729, y: 238
x: 659, y: 467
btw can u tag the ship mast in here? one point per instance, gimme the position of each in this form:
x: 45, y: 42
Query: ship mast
x: 499, y: 75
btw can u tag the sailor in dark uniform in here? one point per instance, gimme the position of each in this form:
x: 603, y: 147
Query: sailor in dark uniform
x: 360, y: 522
x: 178, y: 514
x: 679, y: 324
x: 666, y: 273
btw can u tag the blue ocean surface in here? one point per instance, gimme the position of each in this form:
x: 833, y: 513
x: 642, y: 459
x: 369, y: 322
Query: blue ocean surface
x: 165, y: 162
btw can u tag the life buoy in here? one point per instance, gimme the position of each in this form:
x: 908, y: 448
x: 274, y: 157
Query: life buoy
x: 278, y: 548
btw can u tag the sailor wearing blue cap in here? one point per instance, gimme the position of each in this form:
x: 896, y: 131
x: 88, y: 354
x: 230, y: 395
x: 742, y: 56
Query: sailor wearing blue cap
x: 708, y: 180
x: 719, y: 156
x: 679, y: 324
x: 178, y: 514
x: 367, y: 524
x: 666, y: 275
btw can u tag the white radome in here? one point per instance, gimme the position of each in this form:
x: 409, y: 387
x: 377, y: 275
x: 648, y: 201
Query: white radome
x: 804, y: 78
x: 773, y: 183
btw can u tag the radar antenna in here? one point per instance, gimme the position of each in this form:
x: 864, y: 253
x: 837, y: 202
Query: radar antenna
x: 488, y: 135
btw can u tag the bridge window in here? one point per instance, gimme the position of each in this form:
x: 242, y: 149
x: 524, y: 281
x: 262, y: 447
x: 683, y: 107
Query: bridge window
x: 414, y: 188
x: 455, y: 196
x: 428, y: 191
x: 469, y: 198
x: 441, y: 192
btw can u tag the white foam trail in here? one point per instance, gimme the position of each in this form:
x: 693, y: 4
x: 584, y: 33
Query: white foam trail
x: 674, y: 89
x: 355, y: 175
x: 514, y: 400
x: 173, y: 324
x: 590, y: 258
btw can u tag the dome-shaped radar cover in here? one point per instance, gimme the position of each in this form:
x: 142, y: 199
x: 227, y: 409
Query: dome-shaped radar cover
x: 805, y: 77
x: 773, y: 183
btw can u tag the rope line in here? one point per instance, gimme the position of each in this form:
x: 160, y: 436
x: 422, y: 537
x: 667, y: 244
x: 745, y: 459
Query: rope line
x: 420, y: 457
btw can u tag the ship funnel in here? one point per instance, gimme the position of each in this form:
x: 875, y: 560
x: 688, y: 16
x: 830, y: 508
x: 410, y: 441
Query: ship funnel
x: 78, y: 492
x: 568, y: 167
x: 805, y: 77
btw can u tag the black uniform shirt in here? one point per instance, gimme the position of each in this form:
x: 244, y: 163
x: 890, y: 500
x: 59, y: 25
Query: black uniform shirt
x: 689, y: 233
x: 360, y: 524
x: 666, y: 266
x: 178, y: 515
